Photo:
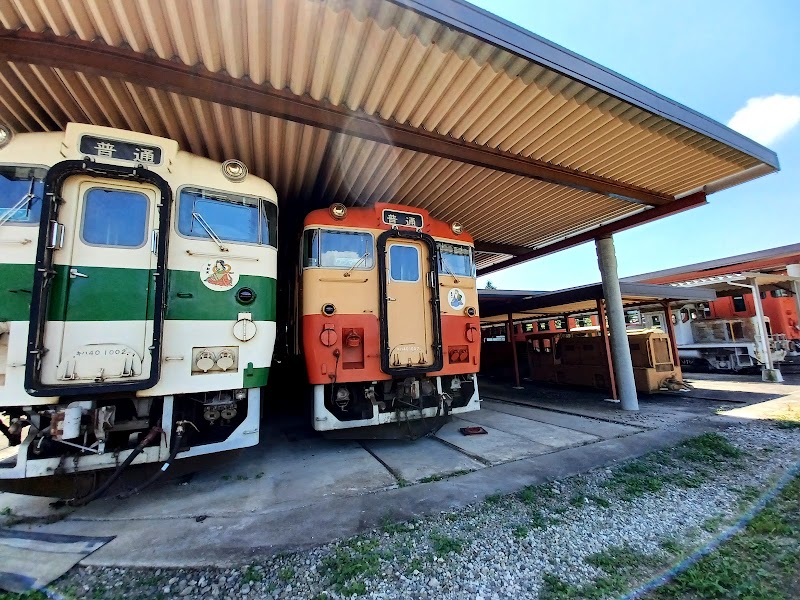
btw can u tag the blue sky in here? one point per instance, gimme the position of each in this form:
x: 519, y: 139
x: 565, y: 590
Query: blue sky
x: 711, y: 56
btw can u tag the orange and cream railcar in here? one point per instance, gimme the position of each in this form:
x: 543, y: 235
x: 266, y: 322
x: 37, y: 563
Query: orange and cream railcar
x: 390, y: 325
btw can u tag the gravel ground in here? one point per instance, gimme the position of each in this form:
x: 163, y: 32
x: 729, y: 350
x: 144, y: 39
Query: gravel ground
x: 506, y: 547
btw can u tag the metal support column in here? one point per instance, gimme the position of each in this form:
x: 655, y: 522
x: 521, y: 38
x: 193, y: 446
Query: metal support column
x: 601, y: 318
x: 768, y: 371
x: 673, y: 342
x: 511, y: 337
x: 794, y: 271
x: 620, y: 350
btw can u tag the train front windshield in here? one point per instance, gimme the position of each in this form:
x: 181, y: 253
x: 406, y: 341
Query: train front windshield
x: 455, y: 259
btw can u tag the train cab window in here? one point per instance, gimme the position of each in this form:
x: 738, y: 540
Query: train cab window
x: 230, y: 217
x: 404, y: 263
x: 21, y: 194
x: 115, y: 218
x: 455, y: 259
x: 332, y: 249
x: 780, y: 293
x: 739, y: 304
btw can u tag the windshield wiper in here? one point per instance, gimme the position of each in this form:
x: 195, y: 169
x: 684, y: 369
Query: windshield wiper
x: 26, y: 199
x: 446, y: 268
x: 355, y: 264
x: 209, y: 231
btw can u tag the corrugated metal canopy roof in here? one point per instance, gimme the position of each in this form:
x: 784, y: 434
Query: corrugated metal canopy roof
x: 435, y: 104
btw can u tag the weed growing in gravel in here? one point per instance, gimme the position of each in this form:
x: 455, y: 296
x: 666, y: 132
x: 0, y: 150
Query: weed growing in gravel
x: 538, y: 520
x: 286, y: 574
x: 577, y: 500
x: 712, y: 525
x: 520, y: 532
x: 494, y: 499
x: 252, y: 575
x: 443, y: 544
x: 392, y: 528
x: 444, y: 476
x: 535, y: 494
x: 350, y: 564
x: 599, y: 500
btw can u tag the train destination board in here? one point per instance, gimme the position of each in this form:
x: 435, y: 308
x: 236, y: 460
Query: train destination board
x: 96, y: 146
x: 396, y: 218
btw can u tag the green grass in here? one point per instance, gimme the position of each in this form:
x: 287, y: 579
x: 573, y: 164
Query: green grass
x: 761, y: 562
x: 711, y: 448
x: 286, y: 574
x: 27, y: 596
x: 494, y: 499
x: 443, y: 544
x: 672, y: 546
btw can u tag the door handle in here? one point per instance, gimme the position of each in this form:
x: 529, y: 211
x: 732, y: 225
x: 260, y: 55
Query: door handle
x: 389, y: 299
x: 73, y: 273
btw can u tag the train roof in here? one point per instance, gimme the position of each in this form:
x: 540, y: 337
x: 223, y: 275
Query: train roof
x: 432, y: 103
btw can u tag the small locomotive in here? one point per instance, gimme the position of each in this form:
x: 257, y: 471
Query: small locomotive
x: 390, y: 325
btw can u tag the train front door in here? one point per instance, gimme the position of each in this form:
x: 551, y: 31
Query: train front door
x: 99, y: 329
x: 410, y: 327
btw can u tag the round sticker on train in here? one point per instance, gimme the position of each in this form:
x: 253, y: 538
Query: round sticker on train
x: 219, y: 276
x: 455, y: 298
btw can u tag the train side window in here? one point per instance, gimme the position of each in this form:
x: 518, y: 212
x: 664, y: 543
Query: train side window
x: 455, y: 259
x: 115, y: 218
x: 779, y: 293
x: 21, y: 194
x: 231, y: 217
x: 404, y: 263
x: 739, y: 304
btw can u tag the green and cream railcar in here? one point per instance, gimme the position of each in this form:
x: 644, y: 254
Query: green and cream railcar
x: 137, y: 292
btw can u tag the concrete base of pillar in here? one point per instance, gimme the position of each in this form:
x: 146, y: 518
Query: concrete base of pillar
x: 772, y: 375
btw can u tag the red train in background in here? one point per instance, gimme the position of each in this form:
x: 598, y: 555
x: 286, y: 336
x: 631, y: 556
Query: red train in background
x: 389, y: 316
x: 779, y: 309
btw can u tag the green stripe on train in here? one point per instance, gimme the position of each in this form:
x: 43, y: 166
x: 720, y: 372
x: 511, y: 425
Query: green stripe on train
x: 112, y: 294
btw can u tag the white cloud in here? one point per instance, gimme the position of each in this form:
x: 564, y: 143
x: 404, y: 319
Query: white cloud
x: 768, y: 118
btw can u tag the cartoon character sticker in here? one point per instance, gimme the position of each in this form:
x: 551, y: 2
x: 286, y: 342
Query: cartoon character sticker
x: 219, y: 276
x: 455, y: 298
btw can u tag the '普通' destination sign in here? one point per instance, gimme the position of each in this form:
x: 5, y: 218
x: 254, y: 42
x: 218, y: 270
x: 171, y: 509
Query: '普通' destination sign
x: 397, y: 218
x: 139, y: 153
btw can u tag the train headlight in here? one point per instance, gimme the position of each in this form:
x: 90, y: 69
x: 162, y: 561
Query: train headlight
x: 338, y: 211
x: 234, y: 170
x: 457, y: 228
x: 470, y: 311
x: 328, y: 309
x: 5, y: 136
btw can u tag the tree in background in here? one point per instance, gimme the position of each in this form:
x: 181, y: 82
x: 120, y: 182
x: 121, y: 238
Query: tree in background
x: 489, y: 285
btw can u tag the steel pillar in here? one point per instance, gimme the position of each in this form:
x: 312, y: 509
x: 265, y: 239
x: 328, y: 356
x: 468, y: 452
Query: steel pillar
x: 511, y: 336
x: 768, y: 372
x: 620, y: 350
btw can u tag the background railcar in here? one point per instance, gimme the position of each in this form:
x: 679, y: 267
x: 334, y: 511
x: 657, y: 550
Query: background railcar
x: 390, y: 325
x: 137, y: 301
